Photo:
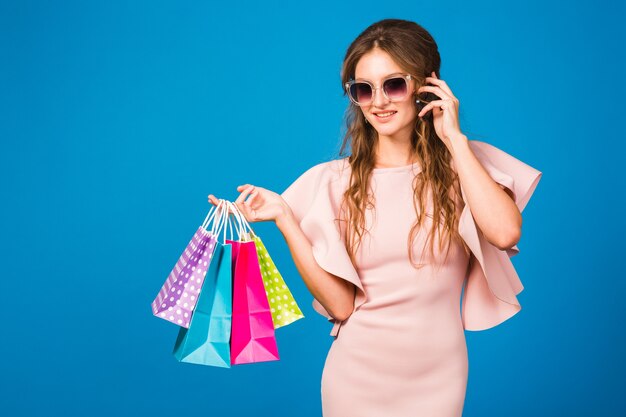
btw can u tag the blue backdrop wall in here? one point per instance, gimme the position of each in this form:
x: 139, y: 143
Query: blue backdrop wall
x: 117, y: 119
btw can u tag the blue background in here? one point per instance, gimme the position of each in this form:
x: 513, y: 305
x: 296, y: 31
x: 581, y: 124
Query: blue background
x: 117, y: 119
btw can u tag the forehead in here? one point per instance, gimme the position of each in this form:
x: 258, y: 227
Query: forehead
x: 375, y: 65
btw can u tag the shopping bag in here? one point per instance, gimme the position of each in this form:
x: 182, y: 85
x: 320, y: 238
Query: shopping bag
x: 177, y: 298
x: 253, y: 337
x: 283, y: 306
x: 207, y: 340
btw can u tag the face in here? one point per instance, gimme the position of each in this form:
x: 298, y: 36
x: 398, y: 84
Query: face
x: 374, y: 67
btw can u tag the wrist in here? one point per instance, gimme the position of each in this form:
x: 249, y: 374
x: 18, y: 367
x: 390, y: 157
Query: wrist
x: 284, y: 217
x: 458, y: 141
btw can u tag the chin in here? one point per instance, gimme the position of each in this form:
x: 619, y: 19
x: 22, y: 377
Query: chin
x: 388, y: 130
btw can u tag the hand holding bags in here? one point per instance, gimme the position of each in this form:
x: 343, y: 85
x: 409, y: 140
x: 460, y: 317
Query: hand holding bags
x: 227, y: 296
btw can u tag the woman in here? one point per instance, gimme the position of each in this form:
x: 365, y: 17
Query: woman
x: 356, y: 225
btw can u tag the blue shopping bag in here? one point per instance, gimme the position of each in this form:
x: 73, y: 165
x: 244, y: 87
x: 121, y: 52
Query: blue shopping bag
x: 207, y: 340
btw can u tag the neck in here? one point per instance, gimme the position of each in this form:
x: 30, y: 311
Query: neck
x: 393, y: 150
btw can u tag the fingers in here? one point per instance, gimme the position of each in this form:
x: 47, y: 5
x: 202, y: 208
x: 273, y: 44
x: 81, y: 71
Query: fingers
x: 437, y: 90
x: 428, y: 107
x: 250, y: 200
x: 439, y: 82
x: 213, y: 200
x: 247, y: 189
x: 433, y: 104
x: 231, y: 207
x: 244, y: 205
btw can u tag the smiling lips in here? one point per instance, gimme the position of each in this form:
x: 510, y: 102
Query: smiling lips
x: 384, y: 116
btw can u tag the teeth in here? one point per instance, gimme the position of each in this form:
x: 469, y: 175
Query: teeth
x: 385, y: 114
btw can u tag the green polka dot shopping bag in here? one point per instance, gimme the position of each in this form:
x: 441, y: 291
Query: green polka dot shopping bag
x: 283, y: 306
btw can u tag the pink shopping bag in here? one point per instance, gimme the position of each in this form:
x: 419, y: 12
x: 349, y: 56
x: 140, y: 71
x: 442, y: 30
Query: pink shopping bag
x: 253, y: 336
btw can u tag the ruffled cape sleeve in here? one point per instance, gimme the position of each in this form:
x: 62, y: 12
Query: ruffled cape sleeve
x: 315, y: 198
x: 489, y: 297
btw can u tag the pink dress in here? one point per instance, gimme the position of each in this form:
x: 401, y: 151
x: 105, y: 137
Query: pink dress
x: 402, y: 352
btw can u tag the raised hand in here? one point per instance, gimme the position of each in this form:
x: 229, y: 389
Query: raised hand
x: 445, y: 111
x: 257, y: 203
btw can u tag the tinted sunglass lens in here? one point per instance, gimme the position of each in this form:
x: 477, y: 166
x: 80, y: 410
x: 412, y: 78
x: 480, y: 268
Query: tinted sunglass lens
x: 395, y: 88
x: 361, y: 92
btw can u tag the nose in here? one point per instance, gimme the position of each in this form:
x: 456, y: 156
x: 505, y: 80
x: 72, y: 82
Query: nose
x: 379, y: 99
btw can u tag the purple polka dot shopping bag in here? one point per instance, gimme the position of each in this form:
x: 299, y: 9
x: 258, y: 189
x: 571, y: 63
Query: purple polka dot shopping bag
x: 177, y: 298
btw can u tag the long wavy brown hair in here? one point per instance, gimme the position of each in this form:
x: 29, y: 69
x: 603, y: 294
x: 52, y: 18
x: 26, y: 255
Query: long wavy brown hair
x: 416, y: 52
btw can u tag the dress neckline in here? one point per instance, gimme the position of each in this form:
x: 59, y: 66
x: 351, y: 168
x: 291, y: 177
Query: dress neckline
x: 396, y: 169
x: 403, y: 168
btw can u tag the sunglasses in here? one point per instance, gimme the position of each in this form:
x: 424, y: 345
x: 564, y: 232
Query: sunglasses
x: 395, y: 88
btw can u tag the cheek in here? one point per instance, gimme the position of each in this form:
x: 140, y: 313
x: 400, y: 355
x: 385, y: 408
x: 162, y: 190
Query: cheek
x: 409, y: 112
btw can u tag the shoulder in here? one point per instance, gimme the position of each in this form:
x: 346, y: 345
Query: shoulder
x: 319, y: 182
x: 333, y: 166
x: 319, y: 175
x: 325, y: 171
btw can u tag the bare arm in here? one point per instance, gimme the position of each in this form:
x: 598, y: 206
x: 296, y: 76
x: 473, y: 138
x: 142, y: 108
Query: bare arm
x: 493, y: 208
x: 335, y: 294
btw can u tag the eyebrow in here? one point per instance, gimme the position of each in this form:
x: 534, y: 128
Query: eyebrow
x: 385, y: 77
